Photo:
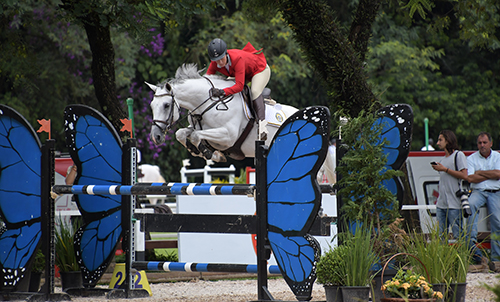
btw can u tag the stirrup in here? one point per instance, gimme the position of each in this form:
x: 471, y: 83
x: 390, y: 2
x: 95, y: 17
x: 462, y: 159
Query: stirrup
x: 262, y: 133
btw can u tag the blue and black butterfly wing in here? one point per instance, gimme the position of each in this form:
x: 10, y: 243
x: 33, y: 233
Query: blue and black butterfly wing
x: 294, y: 197
x: 20, y: 195
x: 397, y: 121
x: 397, y: 129
x: 96, y: 149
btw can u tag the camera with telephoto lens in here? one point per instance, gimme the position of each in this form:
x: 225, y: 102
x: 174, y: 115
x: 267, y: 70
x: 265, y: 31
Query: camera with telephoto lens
x: 464, y: 200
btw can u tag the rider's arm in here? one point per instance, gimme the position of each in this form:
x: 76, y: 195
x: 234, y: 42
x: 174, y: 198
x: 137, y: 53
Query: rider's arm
x: 239, y: 77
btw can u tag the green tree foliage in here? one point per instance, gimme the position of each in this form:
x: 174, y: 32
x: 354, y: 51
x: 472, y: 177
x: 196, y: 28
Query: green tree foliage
x: 44, y: 64
x: 478, y: 19
x: 335, y: 53
x: 408, y: 63
x: 363, y: 171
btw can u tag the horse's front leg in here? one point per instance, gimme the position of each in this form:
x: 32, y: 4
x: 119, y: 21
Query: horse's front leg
x: 182, y: 136
x: 219, y: 138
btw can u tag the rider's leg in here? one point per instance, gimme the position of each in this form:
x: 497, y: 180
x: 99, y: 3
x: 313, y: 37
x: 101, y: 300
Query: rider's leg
x: 260, y: 111
x: 259, y: 82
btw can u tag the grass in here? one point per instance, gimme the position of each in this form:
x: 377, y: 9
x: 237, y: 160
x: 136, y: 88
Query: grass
x: 165, y: 236
x: 166, y: 252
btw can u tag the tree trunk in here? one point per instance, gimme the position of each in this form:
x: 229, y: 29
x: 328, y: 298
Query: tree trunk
x: 337, y: 56
x: 103, y: 69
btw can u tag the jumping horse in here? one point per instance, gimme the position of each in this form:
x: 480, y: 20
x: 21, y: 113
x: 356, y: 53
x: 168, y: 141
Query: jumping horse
x: 215, y: 125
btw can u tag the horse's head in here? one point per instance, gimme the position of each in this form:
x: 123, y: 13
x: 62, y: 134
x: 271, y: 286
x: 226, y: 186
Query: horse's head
x: 165, y: 111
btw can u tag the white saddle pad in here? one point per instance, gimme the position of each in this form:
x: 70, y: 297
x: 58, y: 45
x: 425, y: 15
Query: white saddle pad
x: 275, y: 116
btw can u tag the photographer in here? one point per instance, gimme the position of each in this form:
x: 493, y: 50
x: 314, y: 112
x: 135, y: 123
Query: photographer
x: 453, y: 169
x: 484, y: 174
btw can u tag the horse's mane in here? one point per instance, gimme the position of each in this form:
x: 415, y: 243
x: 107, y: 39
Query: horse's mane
x: 187, y: 72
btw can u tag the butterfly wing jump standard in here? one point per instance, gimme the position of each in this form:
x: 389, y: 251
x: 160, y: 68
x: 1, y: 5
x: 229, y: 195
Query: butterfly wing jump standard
x: 20, y: 195
x: 96, y: 149
x: 397, y: 128
x: 294, y: 197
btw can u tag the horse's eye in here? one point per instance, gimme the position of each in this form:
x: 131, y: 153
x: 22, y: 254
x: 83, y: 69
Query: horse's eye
x: 167, y: 105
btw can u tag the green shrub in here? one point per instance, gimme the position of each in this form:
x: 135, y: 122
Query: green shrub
x: 350, y: 263
x: 327, y: 268
x: 39, y: 262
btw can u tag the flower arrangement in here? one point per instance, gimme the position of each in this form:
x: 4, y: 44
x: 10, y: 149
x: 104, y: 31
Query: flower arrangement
x: 409, y: 285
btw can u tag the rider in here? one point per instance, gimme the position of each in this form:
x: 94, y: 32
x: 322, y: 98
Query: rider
x: 247, y: 65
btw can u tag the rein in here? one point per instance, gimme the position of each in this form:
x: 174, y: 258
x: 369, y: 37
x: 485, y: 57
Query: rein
x: 194, y: 117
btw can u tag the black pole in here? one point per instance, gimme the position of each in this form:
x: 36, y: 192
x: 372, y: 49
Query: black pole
x: 127, y: 200
x: 48, y: 213
x: 341, y: 223
x: 263, y: 248
x: 47, y: 226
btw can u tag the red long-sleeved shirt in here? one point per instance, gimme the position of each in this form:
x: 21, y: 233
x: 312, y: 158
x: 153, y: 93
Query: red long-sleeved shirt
x: 245, y: 64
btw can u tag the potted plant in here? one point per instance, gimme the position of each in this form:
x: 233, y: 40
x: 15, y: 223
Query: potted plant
x: 36, y: 271
x: 409, y: 286
x: 328, y: 272
x: 65, y: 255
x: 348, y: 266
x: 447, y: 263
x: 463, y: 256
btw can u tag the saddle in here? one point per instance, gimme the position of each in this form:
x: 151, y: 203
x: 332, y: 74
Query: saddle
x: 266, y: 93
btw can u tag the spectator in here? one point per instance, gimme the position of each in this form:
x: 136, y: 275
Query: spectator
x: 484, y: 175
x: 452, y: 170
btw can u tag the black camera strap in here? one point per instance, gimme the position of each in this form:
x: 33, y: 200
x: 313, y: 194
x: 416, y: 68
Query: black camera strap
x: 460, y: 181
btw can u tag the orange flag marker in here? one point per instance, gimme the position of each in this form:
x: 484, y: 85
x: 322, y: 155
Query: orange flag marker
x: 127, y: 125
x: 45, y: 126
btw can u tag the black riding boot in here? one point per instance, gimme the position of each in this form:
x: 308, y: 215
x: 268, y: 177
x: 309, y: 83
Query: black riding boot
x: 260, y: 112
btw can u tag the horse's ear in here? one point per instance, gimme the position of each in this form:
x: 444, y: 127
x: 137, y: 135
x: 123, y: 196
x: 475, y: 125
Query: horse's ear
x: 153, y: 87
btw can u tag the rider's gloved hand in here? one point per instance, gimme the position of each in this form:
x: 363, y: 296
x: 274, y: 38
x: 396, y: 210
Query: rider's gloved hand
x: 217, y: 92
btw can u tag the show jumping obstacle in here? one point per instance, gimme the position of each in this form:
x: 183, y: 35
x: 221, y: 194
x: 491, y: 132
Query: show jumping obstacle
x: 127, y: 189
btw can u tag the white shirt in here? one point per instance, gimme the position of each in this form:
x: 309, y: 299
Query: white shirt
x: 476, y: 162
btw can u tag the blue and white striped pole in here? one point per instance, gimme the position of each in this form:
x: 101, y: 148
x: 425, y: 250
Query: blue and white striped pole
x: 201, y: 267
x: 165, y: 189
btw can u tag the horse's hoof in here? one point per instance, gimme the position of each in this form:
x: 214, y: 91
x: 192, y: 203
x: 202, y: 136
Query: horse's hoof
x: 218, y: 157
